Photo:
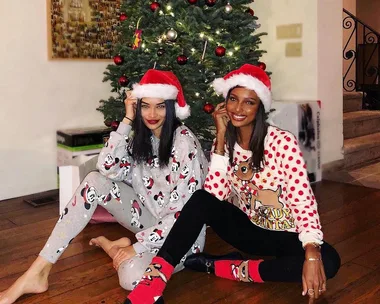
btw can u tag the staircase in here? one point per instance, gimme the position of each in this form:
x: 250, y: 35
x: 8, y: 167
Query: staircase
x: 361, y: 97
x: 361, y: 130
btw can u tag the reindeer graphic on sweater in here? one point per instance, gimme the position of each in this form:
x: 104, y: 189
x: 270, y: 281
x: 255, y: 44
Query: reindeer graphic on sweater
x: 254, y: 197
x: 264, y: 204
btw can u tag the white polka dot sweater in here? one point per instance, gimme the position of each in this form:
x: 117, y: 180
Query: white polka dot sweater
x: 279, y: 197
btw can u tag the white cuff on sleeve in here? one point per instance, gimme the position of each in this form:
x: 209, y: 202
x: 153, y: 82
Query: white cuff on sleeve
x: 309, y: 237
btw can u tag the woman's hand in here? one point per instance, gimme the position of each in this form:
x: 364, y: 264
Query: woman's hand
x: 313, y: 274
x: 221, y: 119
x: 123, y: 254
x: 130, y: 106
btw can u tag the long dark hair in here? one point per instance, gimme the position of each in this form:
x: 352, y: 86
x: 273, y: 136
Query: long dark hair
x: 256, y: 142
x: 141, y: 145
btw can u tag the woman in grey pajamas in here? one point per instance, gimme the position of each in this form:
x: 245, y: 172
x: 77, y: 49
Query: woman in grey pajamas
x: 163, y: 162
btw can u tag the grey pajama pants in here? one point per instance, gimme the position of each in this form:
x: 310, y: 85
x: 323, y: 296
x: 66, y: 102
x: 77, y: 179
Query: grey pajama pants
x: 117, y: 198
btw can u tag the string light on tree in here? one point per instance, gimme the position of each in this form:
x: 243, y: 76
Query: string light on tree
x: 210, y: 3
x: 160, y: 52
x: 123, y: 17
x: 118, y: 60
x: 228, y: 8
x: 154, y: 6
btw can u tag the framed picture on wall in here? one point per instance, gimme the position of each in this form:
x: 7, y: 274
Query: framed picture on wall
x: 82, y: 29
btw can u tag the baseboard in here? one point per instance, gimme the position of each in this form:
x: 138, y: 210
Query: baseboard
x: 333, y: 166
x: 33, y: 195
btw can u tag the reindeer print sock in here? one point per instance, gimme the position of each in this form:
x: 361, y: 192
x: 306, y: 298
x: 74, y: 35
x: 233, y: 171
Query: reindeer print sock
x: 152, y: 284
x: 239, y: 270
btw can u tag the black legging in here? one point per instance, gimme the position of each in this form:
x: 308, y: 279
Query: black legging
x: 233, y: 226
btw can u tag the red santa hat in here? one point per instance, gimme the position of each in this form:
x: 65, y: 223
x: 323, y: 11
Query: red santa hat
x: 158, y: 231
x: 162, y: 84
x: 136, y: 206
x: 250, y: 77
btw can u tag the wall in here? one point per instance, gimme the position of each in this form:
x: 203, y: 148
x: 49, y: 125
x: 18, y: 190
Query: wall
x: 301, y: 73
x: 38, y: 97
x: 369, y: 12
x: 317, y: 75
x: 330, y: 78
x: 350, y: 5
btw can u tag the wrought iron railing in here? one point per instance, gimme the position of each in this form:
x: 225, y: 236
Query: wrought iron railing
x: 361, y: 55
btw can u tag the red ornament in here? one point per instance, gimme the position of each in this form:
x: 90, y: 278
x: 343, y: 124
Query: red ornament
x: 220, y: 51
x: 210, y: 3
x: 108, y: 123
x: 154, y: 6
x: 123, y: 17
x: 123, y: 81
x: 118, y: 60
x: 192, y: 1
x: 182, y: 59
x: 262, y: 65
x: 251, y: 11
x: 208, y: 108
x: 115, y: 125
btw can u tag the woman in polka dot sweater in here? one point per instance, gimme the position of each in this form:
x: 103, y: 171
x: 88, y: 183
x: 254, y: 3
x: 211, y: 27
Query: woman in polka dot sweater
x: 257, y: 198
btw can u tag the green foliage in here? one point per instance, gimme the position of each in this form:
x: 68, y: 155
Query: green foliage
x: 194, y: 24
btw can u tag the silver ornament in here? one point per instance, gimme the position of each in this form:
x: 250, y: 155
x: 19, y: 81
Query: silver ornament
x: 171, y: 35
x: 228, y: 8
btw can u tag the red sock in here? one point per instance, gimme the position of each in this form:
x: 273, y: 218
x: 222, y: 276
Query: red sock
x: 239, y: 270
x: 153, y: 282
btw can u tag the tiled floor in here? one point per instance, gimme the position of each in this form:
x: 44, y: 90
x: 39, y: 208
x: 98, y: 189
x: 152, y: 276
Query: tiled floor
x: 367, y: 176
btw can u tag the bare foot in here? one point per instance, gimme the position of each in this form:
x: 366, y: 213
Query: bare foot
x: 110, y: 247
x: 29, y: 282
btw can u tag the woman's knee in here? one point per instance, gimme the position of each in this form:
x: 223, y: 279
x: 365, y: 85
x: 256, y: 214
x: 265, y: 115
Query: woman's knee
x: 129, y: 279
x: 131, y: 271
x: 331, y: 261
x: 93, y: 176
x: 200, y: 199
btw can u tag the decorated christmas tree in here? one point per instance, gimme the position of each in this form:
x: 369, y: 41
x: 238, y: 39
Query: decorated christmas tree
x: 199, y: 40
